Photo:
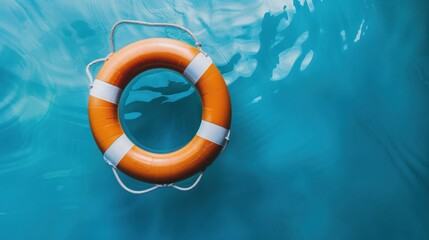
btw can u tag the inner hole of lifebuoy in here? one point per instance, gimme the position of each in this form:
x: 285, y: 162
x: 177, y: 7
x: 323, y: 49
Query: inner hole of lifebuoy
x: 160, y: 111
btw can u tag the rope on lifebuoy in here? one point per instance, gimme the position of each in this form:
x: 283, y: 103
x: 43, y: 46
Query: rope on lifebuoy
x: 156, y: 186
x: 148, y: 24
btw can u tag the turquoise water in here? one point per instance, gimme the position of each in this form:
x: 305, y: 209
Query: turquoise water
x: 329, y: 136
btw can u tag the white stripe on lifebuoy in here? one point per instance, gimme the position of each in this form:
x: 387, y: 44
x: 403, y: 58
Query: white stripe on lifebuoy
x: 212, y: 132
x: 106, y: 91
x: 197, y: 67
x: 118, y: 150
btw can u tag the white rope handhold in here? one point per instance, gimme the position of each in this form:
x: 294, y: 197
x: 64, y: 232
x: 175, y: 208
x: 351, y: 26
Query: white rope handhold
x: 190, y: 187
x: 226, y: 141
x: 88, y: 69
x: 149, y: 24
x: 172, y: 185
x: 112, y: 41
x: 131, y: 190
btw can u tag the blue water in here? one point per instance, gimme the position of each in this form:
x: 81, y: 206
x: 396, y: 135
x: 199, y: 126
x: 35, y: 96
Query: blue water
x: 330, y: 134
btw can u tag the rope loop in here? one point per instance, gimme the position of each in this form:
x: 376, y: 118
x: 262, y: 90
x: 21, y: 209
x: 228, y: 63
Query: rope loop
x: 156, y: 186
x: 149, y: 24
x: 226, y: 141
x: 88, y: 69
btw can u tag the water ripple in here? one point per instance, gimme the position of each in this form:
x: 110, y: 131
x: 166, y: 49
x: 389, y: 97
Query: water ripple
x: 329, y: 132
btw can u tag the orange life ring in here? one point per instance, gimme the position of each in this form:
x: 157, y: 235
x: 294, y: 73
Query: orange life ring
x: 119, y: 151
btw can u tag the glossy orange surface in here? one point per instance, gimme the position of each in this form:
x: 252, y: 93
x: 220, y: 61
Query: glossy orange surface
x: 119, y: 70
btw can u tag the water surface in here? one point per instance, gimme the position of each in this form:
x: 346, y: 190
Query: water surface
x: 329, y: 135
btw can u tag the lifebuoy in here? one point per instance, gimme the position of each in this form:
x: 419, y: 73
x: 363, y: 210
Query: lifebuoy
x: 119, y: 151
